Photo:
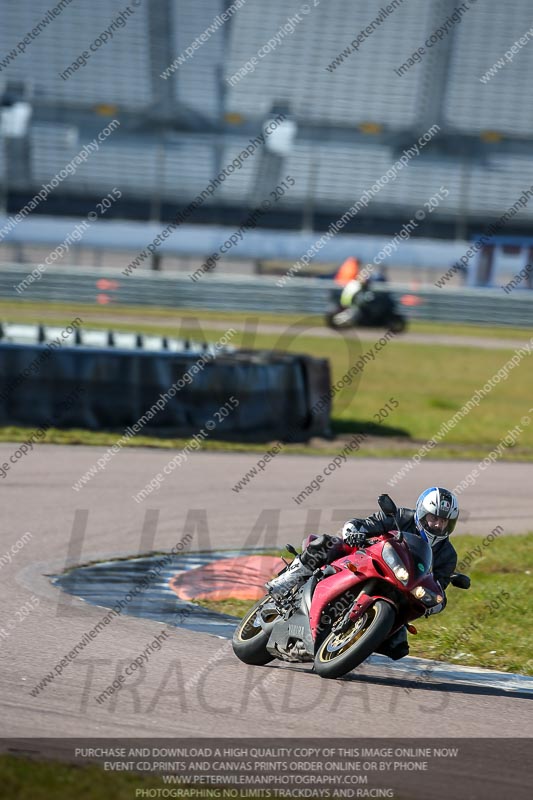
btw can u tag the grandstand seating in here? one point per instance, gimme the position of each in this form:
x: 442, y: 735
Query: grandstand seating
x: 336, y: 174
x: 197, y: 82
x: 343, y: 172
x: 362, y: 88
x: 334, y: 168
x: 119, y: 72
x: 180, y: 169
x: 503, y: 102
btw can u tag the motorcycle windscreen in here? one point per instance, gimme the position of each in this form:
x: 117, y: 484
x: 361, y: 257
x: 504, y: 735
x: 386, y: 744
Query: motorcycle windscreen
x: 421, y: 552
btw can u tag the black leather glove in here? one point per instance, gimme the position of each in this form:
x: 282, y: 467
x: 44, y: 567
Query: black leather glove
x: 439, y: 607
x: 353, y: 536
x: 434, y: 610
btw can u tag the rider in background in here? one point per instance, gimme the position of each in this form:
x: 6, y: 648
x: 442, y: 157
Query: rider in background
x: 347, y: 276
x: 348, y: 271
x: 434, y: 519
x: 354, y: 291
x: 381, y: 275
x: 355, y: 281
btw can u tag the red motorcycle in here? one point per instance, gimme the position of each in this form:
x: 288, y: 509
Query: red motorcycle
x: 346, y: 610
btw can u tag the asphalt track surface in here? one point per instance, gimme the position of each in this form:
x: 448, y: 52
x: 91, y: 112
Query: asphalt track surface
x: 224, y: 697
x: 369, y: 334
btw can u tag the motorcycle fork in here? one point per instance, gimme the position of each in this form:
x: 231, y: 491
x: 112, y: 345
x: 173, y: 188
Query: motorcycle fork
x: 362, y: 603
x: 354, y: 611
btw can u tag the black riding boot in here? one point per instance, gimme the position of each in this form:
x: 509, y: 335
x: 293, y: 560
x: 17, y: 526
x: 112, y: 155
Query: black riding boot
x: 396, y: 646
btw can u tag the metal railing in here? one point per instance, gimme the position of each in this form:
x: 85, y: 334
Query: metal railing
x: 299, y: 296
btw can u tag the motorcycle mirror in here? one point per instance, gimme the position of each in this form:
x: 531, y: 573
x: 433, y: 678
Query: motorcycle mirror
x: 291, y: 549
x: 460, y: 581
x: 387, y: 505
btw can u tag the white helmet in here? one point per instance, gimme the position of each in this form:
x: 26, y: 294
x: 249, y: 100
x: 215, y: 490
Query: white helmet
x: 439, y: 504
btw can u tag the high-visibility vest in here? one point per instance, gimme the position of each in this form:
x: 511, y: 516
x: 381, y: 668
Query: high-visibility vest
x: 347, y: 271
x: 349, y: 292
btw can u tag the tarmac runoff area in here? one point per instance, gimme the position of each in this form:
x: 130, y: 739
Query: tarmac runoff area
x: 193, y: 685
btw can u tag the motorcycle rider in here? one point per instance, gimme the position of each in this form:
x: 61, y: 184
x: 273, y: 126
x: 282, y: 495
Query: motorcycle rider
x: 434, y: 519
x: 354, y: 291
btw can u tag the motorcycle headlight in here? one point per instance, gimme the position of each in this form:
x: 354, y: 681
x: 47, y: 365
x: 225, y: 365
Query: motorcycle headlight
x: 428, y: 597
x: 393, y: 560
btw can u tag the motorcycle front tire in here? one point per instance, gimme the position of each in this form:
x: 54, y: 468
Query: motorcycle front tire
x: 341, y: 318
x: 338, y: 654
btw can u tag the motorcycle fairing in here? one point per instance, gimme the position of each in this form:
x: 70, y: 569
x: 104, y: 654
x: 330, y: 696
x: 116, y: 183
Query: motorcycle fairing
x: 361, y: 566
x: 292, y: 634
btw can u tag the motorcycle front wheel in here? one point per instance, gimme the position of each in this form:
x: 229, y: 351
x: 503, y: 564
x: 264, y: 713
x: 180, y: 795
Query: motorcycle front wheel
x: 249, y: 640
x: 339, y: 653
x: 340, y: 319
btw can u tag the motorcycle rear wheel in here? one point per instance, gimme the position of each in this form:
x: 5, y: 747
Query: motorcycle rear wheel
x: 398, y: 324
x: 340, y: 653
x: 249, y: 639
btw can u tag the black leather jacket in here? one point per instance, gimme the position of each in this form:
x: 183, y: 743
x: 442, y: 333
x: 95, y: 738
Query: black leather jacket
x: 444, y: 553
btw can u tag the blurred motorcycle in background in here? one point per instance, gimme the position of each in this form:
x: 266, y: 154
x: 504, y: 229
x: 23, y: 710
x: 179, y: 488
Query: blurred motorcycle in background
x: 357, y: 305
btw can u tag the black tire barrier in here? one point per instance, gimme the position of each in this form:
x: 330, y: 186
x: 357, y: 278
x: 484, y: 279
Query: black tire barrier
x: 281, y: 396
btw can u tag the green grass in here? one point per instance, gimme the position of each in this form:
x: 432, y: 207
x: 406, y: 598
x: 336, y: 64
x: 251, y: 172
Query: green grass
x: 61, y: 313
x: 232, y: 606
x: 27, y: 779
x: 430, y: 383
x: 78, y: 436
x: 22, y: 778
x: 503, y: 639
x: 499, y: 602
x: 479, y: 331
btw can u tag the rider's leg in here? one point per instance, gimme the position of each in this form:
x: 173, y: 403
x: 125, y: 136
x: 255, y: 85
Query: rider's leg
x: 396, y: 646
x: 319, y: 551
x: 323, y: 549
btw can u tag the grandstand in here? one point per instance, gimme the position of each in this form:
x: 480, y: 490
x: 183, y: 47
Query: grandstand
x: 360, y: 90
x: 354, y: 113
x: 501, y: 104
x: 115, y: 74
